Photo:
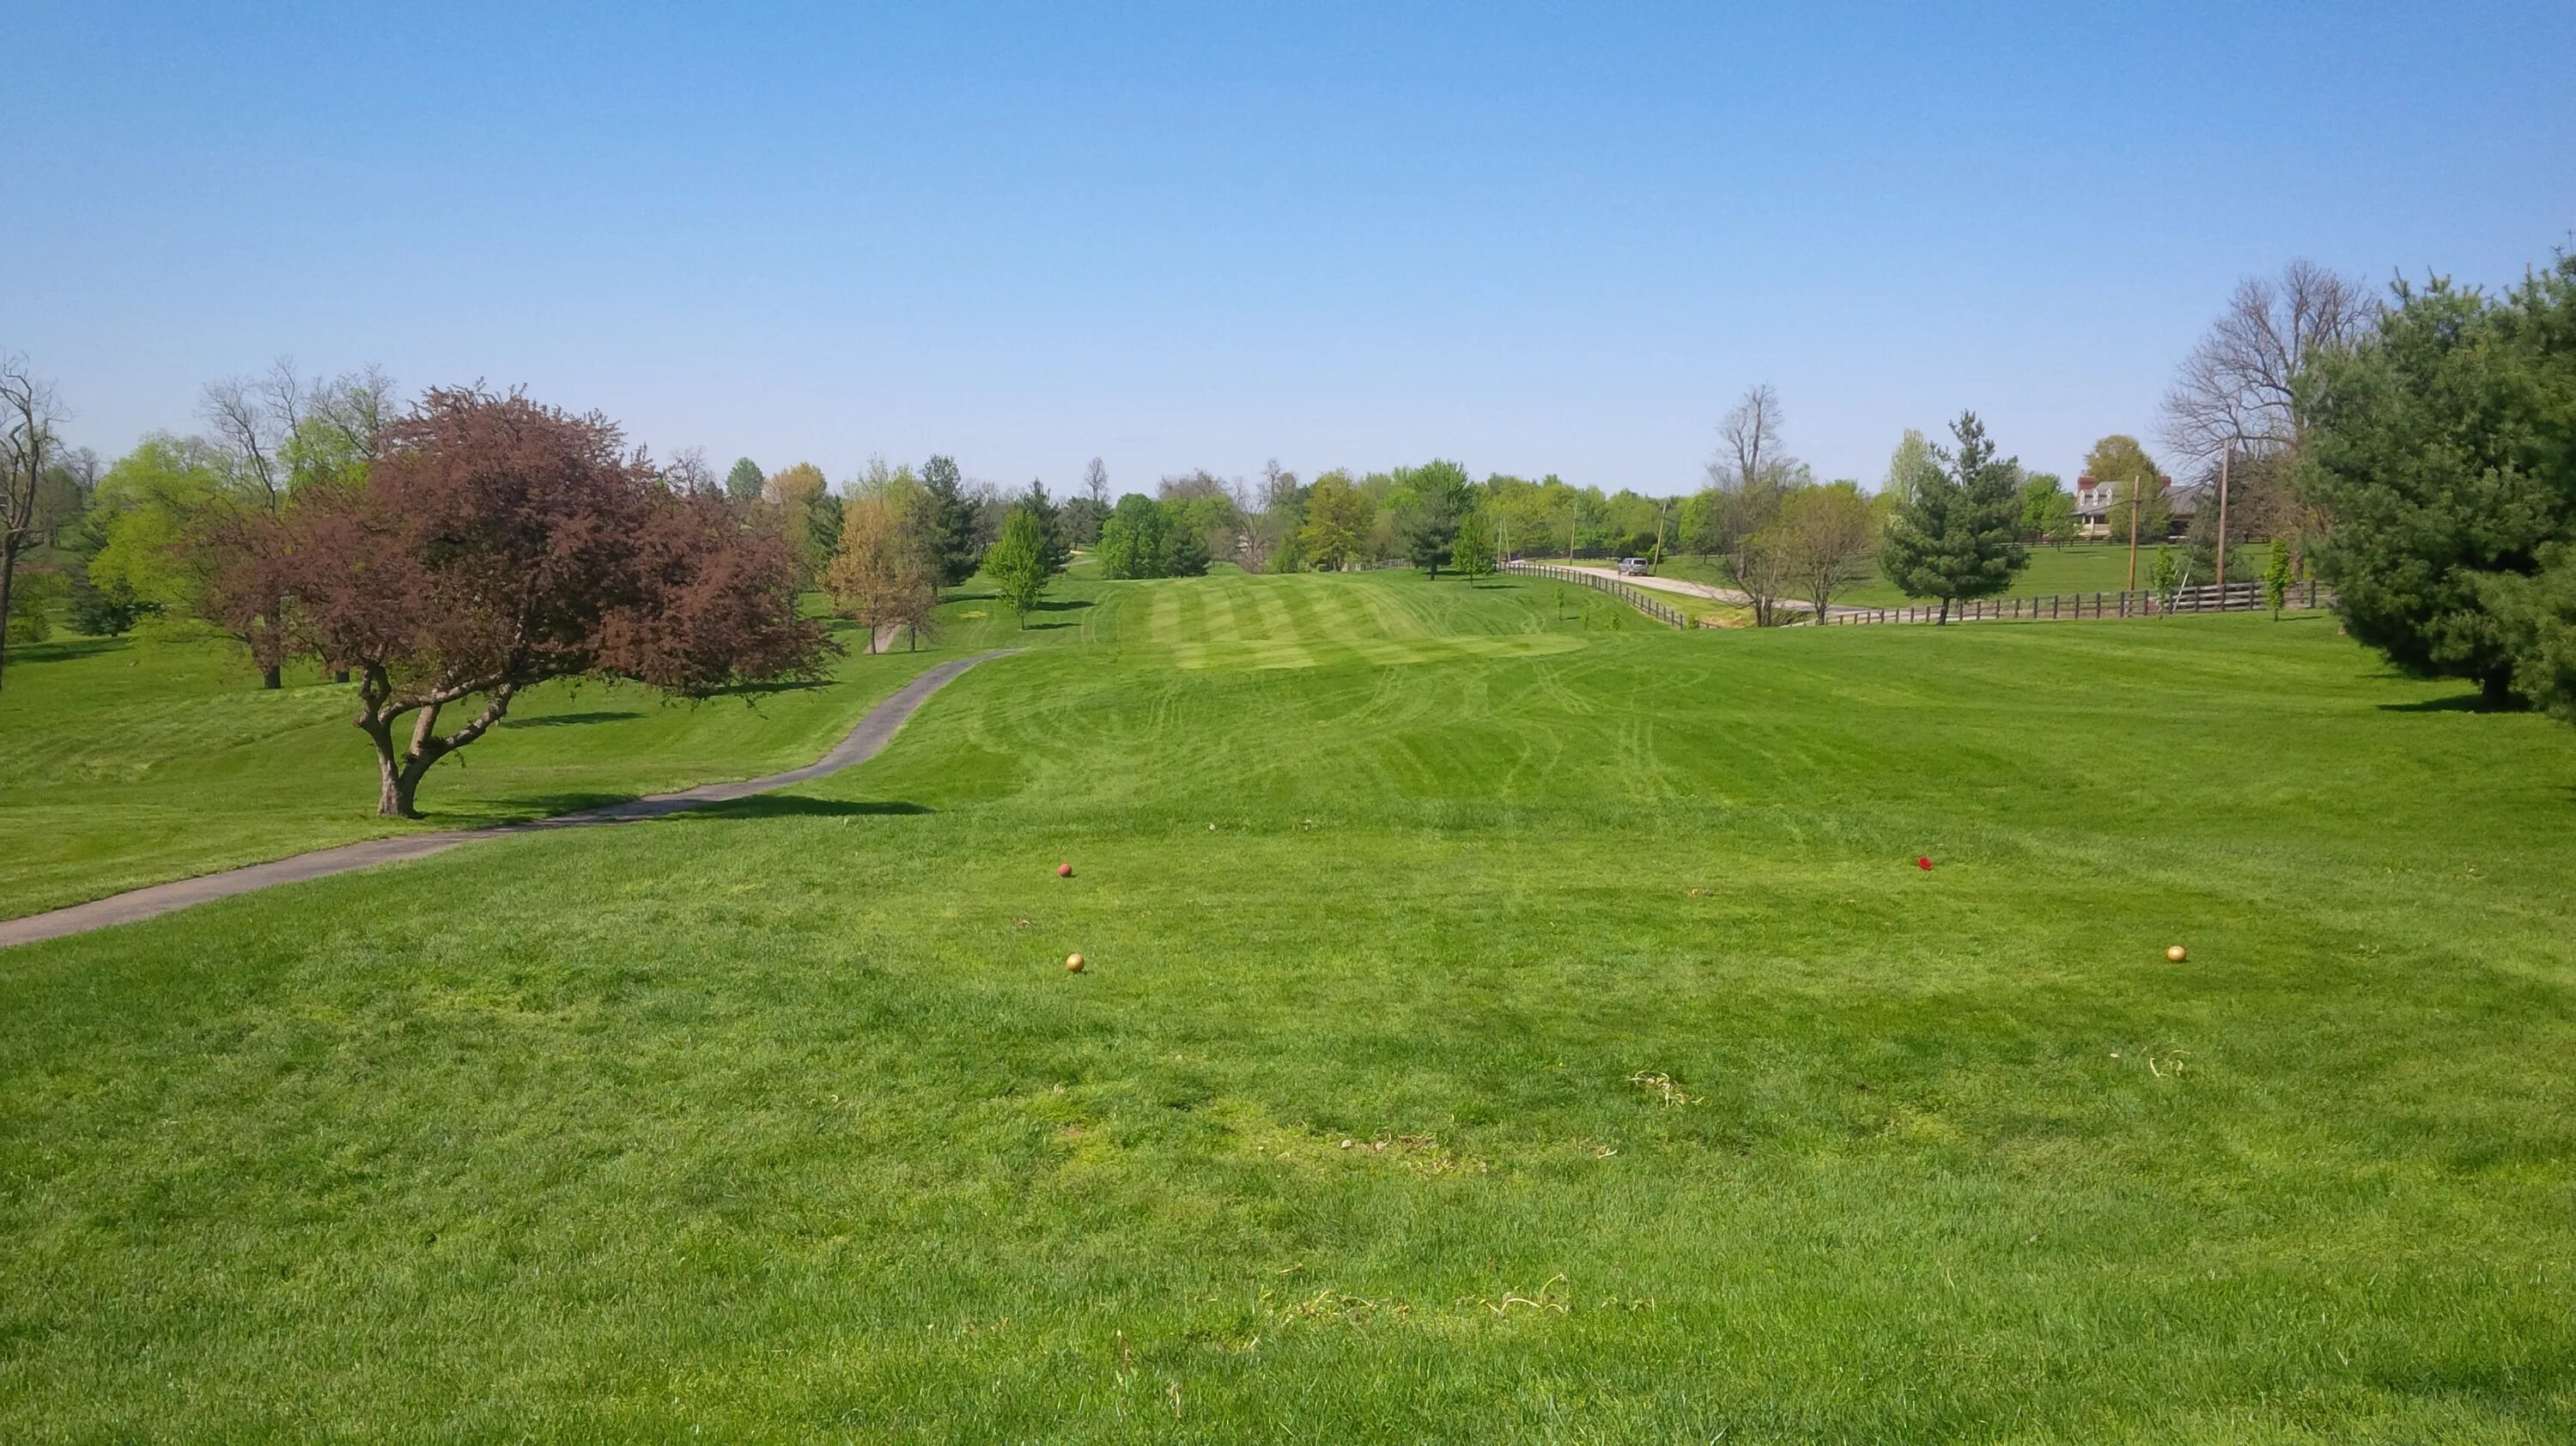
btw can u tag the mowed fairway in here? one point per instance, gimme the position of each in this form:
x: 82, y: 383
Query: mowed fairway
x: 1498, y: 1026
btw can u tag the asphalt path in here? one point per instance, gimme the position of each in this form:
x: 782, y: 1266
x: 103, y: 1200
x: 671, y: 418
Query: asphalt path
x: 871, y: 734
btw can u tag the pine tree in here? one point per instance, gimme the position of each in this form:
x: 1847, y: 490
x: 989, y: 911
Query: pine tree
x: 952, y: 521
x: 1187, y: 553
x: 1956, y: 536
x: 1054, y: 547
x: 2444, y: 446
x: 743, y: 483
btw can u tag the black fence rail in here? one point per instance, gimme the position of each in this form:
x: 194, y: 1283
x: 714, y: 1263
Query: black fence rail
x: 1635, y: 597
x: 2236, y: 597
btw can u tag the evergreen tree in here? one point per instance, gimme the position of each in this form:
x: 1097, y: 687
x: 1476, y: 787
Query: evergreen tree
x: 743, y: 483
x: 1017, y: 562
x: 1187, y: 551
x: 1054, y: 548
x: 2444, y: 447
x: 1956, y: 536
x: 952, y: 521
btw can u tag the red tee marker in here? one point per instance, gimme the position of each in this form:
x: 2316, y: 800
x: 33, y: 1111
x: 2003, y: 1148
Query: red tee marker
x: 1923, y: 863
x: 1065, y: 871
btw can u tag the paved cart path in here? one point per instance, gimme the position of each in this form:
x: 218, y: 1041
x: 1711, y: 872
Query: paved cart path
x: 1700, y: 589
x: 862, y: 744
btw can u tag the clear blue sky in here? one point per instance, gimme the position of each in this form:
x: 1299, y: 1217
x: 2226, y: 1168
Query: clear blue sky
x: 1534, y: 238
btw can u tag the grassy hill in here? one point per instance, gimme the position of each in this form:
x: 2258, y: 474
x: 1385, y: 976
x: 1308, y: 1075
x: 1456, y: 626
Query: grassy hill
x: 1498, y: 1026
x: 2082, y: 567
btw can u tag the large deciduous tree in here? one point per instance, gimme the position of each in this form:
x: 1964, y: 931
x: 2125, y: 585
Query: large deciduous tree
x: 2240, y: 387
x: 29, y: 415
x: 1825, y: 536
x: 494, y: 544
x: 2140, y: 512
x: 1136, y: 541
x: 2047, y: 511
x: 1958, y: 536
x: 1336, y: 521
x: 2445, y: 448
x: 885, y: 575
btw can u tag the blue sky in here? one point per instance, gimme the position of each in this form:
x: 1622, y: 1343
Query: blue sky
x: 1534, y: 238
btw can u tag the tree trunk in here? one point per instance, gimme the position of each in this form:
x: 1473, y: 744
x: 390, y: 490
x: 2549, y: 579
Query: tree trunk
x: 1944, y: 619
x: 397, y: 786
x: 394, y: 791
x: 272, y: 677
x: 8, y: 579
x: 2496, y: 690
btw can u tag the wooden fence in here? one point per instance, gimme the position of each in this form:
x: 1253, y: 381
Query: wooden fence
x: 1635, y: 597
x: 2236, y: 597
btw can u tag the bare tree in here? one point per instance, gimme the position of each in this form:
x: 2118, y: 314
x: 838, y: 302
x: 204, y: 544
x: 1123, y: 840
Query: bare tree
x: 689, y: 474
x: 30, y: 413
x: 278, y: 433
x: 1095, y: 483
x: 2238, y: 388
x: 1751, y: 438
x: 1270, y: 513
x: 1747, y: 479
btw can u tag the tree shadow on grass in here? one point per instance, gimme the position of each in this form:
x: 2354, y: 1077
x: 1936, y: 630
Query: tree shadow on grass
x: 559, y: 720
x: 58, y: 650
x: 791, y: 805
x: 786, y: 685
x: 1061, y: 605
x: 2457, y: 703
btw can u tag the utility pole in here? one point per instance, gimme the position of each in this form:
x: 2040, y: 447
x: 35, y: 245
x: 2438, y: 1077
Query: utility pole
x: 2137, y: 501
x: 2224, y: 457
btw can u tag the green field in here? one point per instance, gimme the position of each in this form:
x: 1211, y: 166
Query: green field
x: 1499, y: 1027
x: 2082, y: 567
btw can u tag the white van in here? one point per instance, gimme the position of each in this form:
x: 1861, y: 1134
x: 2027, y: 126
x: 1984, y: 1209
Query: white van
x: 1632, y: 567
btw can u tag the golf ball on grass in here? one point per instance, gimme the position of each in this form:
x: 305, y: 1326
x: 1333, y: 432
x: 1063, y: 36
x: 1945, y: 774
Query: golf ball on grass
x: 1064, y: 871
x: 2176, y: 954
x: 1073, y: 963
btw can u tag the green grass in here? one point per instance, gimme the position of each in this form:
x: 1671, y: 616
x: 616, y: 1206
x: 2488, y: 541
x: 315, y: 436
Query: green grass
x: 2082, y: 567
x: 782, y: 1120
x: 130, y: 761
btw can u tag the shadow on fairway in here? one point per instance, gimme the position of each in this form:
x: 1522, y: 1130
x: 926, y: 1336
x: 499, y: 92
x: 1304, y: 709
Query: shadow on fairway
x: 559, y: 720
x: 1061, y: 605
x: 788, y: 805
x: 2456, y: 703
x: 61, y: 650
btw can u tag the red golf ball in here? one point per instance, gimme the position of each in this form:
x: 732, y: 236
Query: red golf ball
x: 1064, y: 871
x: 1922, y: 863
